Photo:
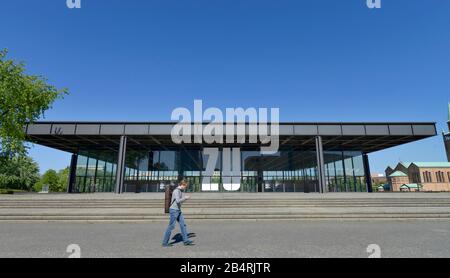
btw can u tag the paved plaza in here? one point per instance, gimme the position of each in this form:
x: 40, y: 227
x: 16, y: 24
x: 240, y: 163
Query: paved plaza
x: 267, y: 238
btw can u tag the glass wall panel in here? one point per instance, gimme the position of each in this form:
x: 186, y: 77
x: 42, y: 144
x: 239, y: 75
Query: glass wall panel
x: 109, y: 177
x: 152, y: 170
x: 80, y: 180
x: 334, y: 171
x: 252, y: 180
x: 284, y: 171
x: 289, y: 170
x: 95, y: 172
x: 304, y: 164
x: 167, y: 160
x: 358, y: 171
x: 344, y: 171
x: 137, y: 171
x: 349, y: 173
x: 100, y: 177
x: 191, y: 162
x: 211, y: 183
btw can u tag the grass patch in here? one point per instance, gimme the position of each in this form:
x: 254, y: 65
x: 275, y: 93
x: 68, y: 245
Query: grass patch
x: 9, y: 191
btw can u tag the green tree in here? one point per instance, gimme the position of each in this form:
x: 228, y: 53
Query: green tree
x: 18, y: 172
x: 23, y: 98
x: 63, y: 179
x: 49, y: 178
x: 56, y: 181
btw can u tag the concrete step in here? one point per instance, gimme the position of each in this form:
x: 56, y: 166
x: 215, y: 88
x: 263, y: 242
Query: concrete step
x: 239, y: 201
x: 260, y: 205
x: 156, y: 214
x: 158, y: 204
x: 225, y: 201
x: 149, y: 207
x: 163, y: 218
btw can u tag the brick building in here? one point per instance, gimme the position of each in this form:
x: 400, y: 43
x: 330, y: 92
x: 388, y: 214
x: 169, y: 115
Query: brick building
x: 419, y: 176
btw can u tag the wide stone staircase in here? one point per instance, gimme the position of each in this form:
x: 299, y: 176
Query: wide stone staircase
x: 225, y: 206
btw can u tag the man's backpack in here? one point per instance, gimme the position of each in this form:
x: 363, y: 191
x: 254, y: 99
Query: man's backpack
x: 168, y: 197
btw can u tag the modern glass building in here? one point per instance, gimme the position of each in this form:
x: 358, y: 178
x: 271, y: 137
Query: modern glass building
x: 141, y: 157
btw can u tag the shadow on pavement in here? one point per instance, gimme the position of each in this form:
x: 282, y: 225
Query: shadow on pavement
x: 179, y: 238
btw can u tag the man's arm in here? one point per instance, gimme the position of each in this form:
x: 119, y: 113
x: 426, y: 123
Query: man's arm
x: 178, y: 197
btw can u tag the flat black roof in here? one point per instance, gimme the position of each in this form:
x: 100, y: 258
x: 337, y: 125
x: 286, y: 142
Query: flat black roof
x: 366, y: 137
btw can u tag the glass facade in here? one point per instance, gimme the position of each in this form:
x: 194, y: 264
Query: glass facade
x: 285, y: 171
x: 344, y: 171
x: 95, y: 172
x: 288, y: 170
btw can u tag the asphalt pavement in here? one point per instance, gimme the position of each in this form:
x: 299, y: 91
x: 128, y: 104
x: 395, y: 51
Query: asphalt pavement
x: 261, y: 239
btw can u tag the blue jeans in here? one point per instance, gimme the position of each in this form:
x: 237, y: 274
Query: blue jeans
x: 175, y: 215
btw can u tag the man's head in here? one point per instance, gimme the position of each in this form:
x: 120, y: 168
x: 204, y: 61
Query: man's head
x: 183, y: 184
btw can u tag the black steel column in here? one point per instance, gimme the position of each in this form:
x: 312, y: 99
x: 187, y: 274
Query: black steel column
x: 367, y: 172
x: 320, y: 165
x: 120, y: 175
x: 260, y: 178
x: 72, y: 173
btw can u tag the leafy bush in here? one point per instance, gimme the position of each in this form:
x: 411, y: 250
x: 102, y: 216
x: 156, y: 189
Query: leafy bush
x: 57, y: 182
x: 5, y: 191
x: 18, y: 172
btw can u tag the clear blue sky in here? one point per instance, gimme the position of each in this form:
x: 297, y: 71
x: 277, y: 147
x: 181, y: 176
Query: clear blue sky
x: 317, y: 60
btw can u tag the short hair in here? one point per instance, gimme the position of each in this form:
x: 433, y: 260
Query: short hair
x: 184, y: 182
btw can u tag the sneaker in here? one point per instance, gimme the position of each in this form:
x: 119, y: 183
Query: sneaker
x: 167, y: 245
x: 189, y: 242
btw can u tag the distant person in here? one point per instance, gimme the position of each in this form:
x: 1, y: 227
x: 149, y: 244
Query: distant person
x: 178, y: 197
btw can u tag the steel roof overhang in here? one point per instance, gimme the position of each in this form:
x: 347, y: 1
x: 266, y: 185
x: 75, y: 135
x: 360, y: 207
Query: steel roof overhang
x: 366, y: 137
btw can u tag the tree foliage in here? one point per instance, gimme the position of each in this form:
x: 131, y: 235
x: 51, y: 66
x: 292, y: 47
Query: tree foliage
x: 18, y: 172
x: 23, y: 98
x: 56, y: 181
x: 63, y: 179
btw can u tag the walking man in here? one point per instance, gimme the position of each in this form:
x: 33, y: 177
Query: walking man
x: 178, y: 197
